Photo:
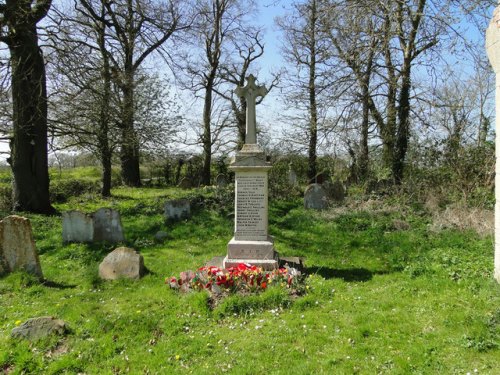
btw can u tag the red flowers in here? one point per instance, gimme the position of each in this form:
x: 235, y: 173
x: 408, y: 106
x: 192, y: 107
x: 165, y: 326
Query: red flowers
x: 242, y: 277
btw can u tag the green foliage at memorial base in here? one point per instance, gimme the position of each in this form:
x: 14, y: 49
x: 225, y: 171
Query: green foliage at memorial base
x: 382, y: 297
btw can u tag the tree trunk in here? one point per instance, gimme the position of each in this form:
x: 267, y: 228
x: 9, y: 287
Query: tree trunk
x: 363, y: 158
x: 313, y: 109
x: 104, y: 116
x: 207, y: 135
x: 403, y: 133
x: 129, y: 154
x: 29, y: 159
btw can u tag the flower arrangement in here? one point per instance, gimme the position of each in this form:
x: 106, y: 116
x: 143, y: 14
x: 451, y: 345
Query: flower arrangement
x: 242, y: 278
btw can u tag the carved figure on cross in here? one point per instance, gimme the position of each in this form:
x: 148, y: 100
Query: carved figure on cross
x: 250, y: 93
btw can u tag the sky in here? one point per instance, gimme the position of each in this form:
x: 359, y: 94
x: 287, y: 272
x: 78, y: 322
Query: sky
x: 269, y: 113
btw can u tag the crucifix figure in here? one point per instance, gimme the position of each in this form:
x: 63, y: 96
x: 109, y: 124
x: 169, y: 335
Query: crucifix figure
x: 250, y: 93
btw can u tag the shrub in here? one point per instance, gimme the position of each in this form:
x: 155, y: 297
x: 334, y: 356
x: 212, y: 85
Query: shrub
x: 61, y: 190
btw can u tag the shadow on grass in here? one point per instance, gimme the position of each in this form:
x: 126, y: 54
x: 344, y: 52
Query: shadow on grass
x: 348, y: 275
x: 57, y: 285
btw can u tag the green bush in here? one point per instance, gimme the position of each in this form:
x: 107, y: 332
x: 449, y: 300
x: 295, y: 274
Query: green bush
x: 62, y: 190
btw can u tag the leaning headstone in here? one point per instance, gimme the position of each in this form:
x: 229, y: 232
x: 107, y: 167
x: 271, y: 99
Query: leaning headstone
x: 122, y: 262
x: 107, y: 226
x: 315, y: 197
x: 177, y: 209
x: 38, y: 328
x: 221, y: 181
x: 17, y: 247
x: 493, y: 50
x: 77, y: 227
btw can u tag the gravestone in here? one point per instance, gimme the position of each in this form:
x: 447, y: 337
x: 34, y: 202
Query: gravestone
x: 335, y: 191
x: 251, y: 243
x: 292, y: 176
x: 17, y: 247
x: 77, y: 227
x: 315, y: 197
x: 122, y: 262
x: 177, y: 209
x: 161, y: 236
x: 221, y: 181
x: 38, y: 328
x: 493, y: 50
x: 104, y: 225
x: 107, y: 226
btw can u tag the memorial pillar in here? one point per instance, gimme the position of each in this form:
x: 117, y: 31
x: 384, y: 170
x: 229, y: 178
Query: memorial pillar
x: 251, y: 242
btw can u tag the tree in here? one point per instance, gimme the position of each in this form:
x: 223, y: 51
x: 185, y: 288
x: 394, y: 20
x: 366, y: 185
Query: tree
x: 139, y: 28
x: 220, y: 25
x: 355, y: 38
x: 29, y: 161
x: 404, y: 31
x: 306, y: 50
x: 102, y: 61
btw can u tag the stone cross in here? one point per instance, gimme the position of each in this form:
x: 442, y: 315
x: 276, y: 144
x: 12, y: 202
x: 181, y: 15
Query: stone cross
x: 250, y: 93
x: 493, y: 50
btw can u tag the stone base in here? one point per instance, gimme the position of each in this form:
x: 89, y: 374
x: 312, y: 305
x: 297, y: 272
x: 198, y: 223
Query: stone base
x: 240, y: 249
x: 265, y: 264
x: 256, y: 253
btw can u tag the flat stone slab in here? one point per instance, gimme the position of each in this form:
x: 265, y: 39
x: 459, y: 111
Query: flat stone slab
x: 122, y: 262
x: 37, y: 328
x: 293, y: 262
x: 17, y: 246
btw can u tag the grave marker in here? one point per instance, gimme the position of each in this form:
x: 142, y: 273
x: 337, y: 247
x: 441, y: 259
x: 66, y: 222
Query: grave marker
x: 251, y: 242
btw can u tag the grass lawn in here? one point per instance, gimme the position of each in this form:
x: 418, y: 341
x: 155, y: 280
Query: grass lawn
x: 382, y: 298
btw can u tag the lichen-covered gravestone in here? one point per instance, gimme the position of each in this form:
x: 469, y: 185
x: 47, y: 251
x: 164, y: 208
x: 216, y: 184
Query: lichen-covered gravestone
x: 17, y: 247
x: 493, y: 49
x: 77, y: 227
x: 108, y: 226
x: 122, y: 262
x: 104, y: 225
x: 177, y: 209
x: 315, y: 197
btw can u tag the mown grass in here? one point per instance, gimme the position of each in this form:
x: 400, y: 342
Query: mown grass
x: 380, y: 299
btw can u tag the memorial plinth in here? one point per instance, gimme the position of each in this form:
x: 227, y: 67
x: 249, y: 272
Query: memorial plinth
x: 251, y: 242
x: 493, y: 50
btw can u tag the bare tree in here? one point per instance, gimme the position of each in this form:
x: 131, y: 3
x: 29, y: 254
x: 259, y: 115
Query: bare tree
x: 18, y: 29
x: 219, y: 27
x: 306, y: 50
x: 138, y: 28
